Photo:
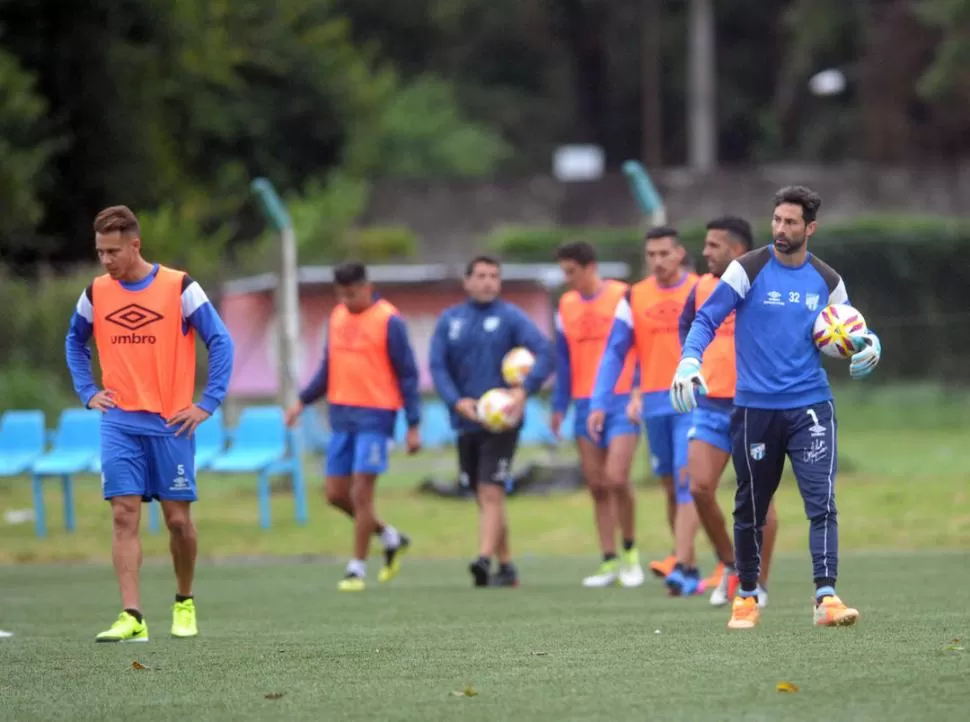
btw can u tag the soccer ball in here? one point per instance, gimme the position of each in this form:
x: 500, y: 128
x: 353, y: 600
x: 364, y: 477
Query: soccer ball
x: 833, y: 327
x: 516, y: 365
x: 495, y: 410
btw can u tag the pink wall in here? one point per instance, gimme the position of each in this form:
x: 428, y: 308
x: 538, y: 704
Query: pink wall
x: 250, y: 320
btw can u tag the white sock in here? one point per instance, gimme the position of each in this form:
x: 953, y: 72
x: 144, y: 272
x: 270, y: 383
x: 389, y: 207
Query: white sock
x: 390, y: 537
x: 357, y: 567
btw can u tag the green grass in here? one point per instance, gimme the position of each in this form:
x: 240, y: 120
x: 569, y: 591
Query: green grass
x: 903, y: 485
x: 547, y: 651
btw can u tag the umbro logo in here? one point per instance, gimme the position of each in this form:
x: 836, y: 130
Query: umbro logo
x: 133, y: 317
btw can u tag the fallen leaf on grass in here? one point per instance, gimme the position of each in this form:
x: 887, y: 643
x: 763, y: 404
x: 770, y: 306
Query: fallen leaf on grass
x: 786, y: 687
x: 955, y: 646
x: 540, y: 654
x: 467, y: 691
x: 273, y: 695
x: 138, y: 665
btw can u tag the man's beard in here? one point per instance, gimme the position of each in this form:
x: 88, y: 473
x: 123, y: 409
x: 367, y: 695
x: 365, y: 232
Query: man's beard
x: 787, y: 246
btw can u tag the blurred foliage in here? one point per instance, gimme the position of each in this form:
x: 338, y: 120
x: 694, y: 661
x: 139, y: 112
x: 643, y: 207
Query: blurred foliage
x: 173, y: 106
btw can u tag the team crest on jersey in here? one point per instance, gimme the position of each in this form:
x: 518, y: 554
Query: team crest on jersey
x: 811, y: 300
x: 454, y: 329
x: 491, y: 323
x: 757, y: 451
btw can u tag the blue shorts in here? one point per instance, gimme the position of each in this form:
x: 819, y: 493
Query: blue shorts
x: 357, y: 452
x: 712, y: 426
x: 152, y: 467
x: 615, y: 424
x: 667, y: 436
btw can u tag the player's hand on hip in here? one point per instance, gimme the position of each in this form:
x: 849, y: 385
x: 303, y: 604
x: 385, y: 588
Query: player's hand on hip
x: 293, y: 413
x: 555, y: 423
x: 866, y: 359
x: 594, y: 424
x: 467, y: 408
x: 688, y: 382
x: 413, y: 440
x: 102, y: 401
x: 634, y: 408
x: 188, y: 420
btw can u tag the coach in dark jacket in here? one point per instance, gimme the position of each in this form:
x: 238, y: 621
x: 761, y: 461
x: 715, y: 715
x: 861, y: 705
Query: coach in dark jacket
x: 469, y: 342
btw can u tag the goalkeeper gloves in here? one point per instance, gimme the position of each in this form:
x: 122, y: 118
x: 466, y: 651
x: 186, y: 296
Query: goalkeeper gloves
x: 865, y: 360
x: 687, y: 376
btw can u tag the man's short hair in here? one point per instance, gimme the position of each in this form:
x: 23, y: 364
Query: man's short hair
x: 117, y: 219
x: 481, y: 258
x: 662, y: 232
x: 580, y: 252
x: 350, y: 273
x: 809, y: 200
x: 737, y: 227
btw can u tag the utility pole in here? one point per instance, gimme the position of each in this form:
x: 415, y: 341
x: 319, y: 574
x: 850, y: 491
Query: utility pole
x: 701, y: 89
x: 651, y: 96
x: 287, y: 290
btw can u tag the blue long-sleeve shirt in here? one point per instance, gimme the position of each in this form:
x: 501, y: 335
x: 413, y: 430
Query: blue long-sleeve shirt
x: 778, y: 364
x: 561, y: 392
x: 197, y: 313
x: 687, y: 316
x: 357, y: 418
x: 468, y: 345
x: 618, y: 345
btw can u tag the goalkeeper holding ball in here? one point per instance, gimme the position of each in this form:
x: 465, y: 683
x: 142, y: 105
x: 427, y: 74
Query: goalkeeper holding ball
x: 783, y: 401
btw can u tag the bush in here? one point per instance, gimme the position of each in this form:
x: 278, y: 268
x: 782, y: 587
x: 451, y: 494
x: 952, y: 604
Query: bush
x: 378, y: 244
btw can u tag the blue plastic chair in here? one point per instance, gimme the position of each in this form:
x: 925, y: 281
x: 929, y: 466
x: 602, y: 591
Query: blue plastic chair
x: 535, y: 430
x: 22, y: 441
x: 77, y: 447
x: 569, y: 424
x: 262, y: 444
x: 210, y: 441
x: 314, y: 434
x: 436, y: 431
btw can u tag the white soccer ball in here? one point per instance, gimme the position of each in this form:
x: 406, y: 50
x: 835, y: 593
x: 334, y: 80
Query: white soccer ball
x: 495, y: 410
x: 834, y: 326
x: 516, y: 365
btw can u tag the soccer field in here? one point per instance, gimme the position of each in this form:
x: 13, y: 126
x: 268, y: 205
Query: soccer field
x: 278, y: 642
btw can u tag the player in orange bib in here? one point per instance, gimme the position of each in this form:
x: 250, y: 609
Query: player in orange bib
x: 709, y: 449
x: 605, y: 454
x: 647, y: 321
x: 144, y: 319
x: 368, y: 373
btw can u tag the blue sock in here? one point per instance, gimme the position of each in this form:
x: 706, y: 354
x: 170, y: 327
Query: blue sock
x: 744, y: 593
x: 826, y: 591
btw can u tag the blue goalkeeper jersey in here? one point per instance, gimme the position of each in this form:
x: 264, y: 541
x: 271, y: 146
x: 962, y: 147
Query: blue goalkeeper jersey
x: 778, y: 364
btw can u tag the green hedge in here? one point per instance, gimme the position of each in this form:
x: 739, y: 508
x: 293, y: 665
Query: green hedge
x: 910, y: 276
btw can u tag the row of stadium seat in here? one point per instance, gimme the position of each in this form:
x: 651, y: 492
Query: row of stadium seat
x: 259, y: 444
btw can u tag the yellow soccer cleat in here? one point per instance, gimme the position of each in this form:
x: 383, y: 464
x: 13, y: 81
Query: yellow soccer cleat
x: 125, y: 629
x: 607, y: 575
x: 832, y: 612
x: 392, y: 560
x: 744, y: 613
x: 183, y: 619
x: 351, y: 583
x: 631, y: 573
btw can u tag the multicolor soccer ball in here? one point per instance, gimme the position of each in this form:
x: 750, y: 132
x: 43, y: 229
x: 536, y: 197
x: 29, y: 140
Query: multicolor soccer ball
x: 495, y: 410
x: 516, y: 365
x: 833, y: 328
